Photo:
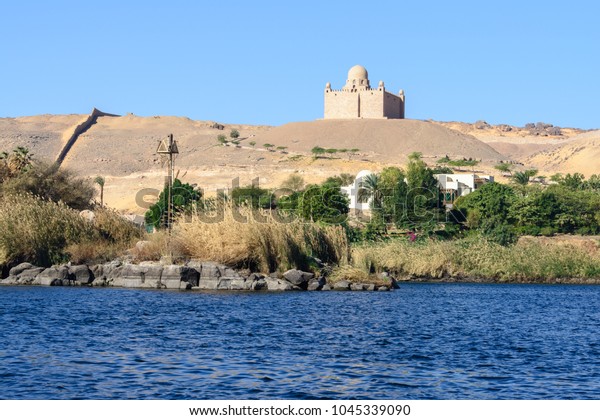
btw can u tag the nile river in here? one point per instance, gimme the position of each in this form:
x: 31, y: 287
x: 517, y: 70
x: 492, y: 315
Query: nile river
x: 423, y: 341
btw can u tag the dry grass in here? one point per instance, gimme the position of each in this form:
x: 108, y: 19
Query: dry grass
x: 476, y: 257
x: 44, y: 232
x: 266, y: 245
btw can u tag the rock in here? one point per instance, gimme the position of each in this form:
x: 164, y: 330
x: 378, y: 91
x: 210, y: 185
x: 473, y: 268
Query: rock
x: 99, y: 282
x: 231, y: 283
x: 357, y: 286
x: 326, y: 287
x: 370, y: 287
x: 28, y: 276
x: 184, y: 285
x: 49, y: 276
x: 260, y: 284
x: 15, y: 271
x: 81, y: 274
x: 341, y: 285
x: 173, y: 275
x: 88, y: 215
x: 316, y: 284
x: 255, y: 276
x: 298, y: 278
x: 142, y: 275
x: 209, y: 274
x: 278, y: 284
x: 383, y: 289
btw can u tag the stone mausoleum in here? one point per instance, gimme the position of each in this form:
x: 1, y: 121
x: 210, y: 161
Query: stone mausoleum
x: 358, y: 100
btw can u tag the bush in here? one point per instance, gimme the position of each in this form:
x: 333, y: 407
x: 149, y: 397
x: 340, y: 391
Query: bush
x: 44, y: 233
x: 52, y: 183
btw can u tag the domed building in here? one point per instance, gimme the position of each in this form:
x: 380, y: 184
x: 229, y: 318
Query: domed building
x: 358, y: 100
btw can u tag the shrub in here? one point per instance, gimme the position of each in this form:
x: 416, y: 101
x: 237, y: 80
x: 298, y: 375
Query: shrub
x: 50, y: 182
x: 44, y: 233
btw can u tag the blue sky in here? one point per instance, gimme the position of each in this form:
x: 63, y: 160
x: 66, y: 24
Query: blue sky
x: 267, y: 62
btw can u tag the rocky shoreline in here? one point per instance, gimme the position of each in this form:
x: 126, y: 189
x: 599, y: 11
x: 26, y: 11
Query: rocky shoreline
x: 195, y: 275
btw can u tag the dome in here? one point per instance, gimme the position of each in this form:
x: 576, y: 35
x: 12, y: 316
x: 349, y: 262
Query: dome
x: 358, y: 73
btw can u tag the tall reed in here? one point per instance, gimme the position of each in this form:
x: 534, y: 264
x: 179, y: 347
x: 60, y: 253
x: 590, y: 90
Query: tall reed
x: 242, y: 237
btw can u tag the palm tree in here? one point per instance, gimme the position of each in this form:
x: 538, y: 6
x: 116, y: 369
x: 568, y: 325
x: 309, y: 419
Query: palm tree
x: 100, y: 181
x: 20, y: 160
x: 523, y: 177
x: 370, y: 188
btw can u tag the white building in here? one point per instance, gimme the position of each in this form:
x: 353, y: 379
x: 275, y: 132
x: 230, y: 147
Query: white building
x: 453, y: 186
x: 352, y: 192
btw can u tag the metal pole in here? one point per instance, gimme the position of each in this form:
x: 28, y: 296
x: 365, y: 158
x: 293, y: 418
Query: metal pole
x: 170, y: 189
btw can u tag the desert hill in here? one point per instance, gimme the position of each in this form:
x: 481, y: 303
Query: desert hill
x: 581, y: 154
x: 122, y: 148
x: 517, y: 143
x: 389, y: 140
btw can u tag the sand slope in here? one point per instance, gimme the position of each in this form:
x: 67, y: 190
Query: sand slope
x: 389, y: 140
x: 582, y: 154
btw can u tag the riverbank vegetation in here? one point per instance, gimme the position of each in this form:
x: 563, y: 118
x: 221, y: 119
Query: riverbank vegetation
x: 408, y: 233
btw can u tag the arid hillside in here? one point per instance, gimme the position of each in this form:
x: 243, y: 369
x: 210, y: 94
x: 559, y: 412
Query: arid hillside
x: 123, y: 148
x: 581, y: 154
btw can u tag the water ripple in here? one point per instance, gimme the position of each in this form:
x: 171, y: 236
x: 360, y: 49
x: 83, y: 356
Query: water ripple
x: 434, y: 341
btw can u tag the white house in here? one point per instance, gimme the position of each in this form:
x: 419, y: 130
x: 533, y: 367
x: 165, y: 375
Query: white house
x: 453, y: 186
x: 352, y: 192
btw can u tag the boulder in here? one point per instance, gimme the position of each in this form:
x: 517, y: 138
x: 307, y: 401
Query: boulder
x: 326, y: 287
x: 81, y: 274
x: 255, y: 276
x: 316, y: 284
x: 279, y: 284
x: 260, y: 284
x: 370, y: 287
x: 173, y: 275
x: 146, y: 276
x: 383, y: 289
x: 341, y: 285
x: 28, y: 276
x: 15, y: 271
x: 298, y: 278
x: 53, y: 275
x: 209, y: 275
x: 357, y: 286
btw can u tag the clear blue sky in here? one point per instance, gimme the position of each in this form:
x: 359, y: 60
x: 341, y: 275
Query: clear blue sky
x: 267, y: 62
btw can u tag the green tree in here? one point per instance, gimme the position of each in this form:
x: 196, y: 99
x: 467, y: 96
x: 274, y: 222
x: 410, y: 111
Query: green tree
x: 50, y: 182
x: 340, y: 180
x: 294, y: 182
x: 504, y: 167
x: 423, y: 206
x: 222, y: 139
x: 268, y: 146
x: 254, y: 196
x: 252, y: 143
x: 317, y: 151
x: 184, y: 197
x: 524, y: 177
x: 100, y: 181
x: 234, y: 134
x: 323, y: 203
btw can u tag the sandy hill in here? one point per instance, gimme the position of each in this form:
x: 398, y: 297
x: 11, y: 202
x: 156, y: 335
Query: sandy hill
x: 389, y: 140
x: 517, y: 143
x: 581, y: 154
x: 122, y: 148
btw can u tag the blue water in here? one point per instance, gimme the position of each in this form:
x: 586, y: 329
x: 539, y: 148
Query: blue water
x: 434, y: 341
